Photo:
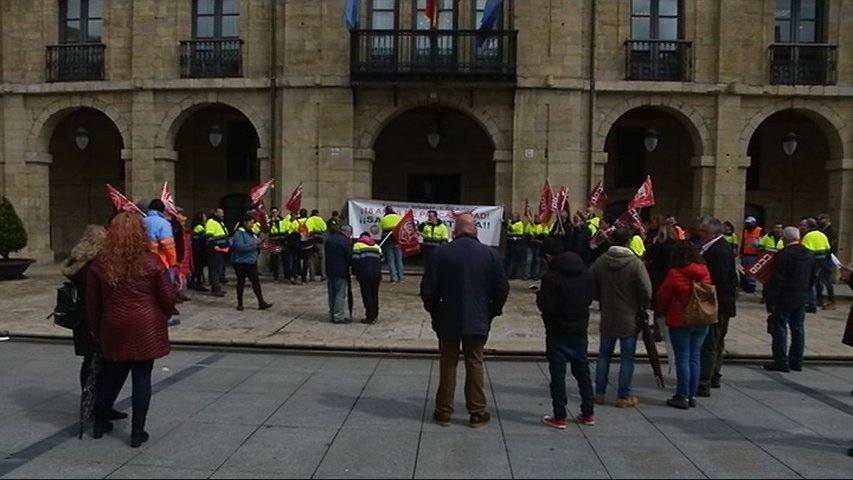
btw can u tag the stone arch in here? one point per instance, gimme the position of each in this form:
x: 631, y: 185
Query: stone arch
x: 175, y: 117
x: 689, y: 117
x: 49, y: 117
x: 826, y: 118
x: 371, y: 131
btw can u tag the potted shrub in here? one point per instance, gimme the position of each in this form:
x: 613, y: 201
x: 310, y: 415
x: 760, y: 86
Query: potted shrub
x: 13, y: 237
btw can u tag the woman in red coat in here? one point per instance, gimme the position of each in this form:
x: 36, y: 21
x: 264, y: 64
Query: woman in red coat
x: 128, y: 299
x: 686, y: 266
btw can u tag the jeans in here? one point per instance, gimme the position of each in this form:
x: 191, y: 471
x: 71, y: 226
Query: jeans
x: 475, y: 397
x: 780, y: 321
x: 514, y: 251
x: 824, y: 282
x: 114, y: 375
x: 712, y: 351
x: 215, y: 269
x: 559, y: 352
x: 687, y: 347
x: 532, y: 270
x: 747, y: 282
x: 337, y: 288
x: 627, y: 347
x: 394, y: 259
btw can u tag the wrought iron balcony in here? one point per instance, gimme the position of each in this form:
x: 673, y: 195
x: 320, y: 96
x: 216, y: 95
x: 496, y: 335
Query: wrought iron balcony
x: 75, y: 62
x: 212, y: 58
x: 661, y: 60
x: 433, y: 56
x: 803, y: 64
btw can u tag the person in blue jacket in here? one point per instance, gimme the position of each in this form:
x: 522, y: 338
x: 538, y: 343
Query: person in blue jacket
x: 244, y: 259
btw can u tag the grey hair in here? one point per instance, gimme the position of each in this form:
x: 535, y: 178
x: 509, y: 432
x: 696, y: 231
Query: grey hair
x: 790, y: 234
x: 346, y: 230
x: 715, y: 226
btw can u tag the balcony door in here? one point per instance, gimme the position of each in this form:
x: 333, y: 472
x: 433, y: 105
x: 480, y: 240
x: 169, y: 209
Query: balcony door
x: 80, y: 53
x: 433, y: 49
x: 215, y: 47
x: 654, y: 49
x: 487, y: 50
x: 383, y: 43
x: 797, y: 56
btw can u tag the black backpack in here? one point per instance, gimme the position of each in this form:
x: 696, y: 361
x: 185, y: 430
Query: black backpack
x: 68, y: 312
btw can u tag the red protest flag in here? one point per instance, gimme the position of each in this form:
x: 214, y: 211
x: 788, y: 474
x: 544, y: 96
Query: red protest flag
x: 631, y: 218
x: 294, y: 203
x: 168, y: 200
x: 431, y: 12
x: 545, y: 196
x: 256, y: 193
x: 562, y: 199
x: 645, y: 196
x: 120, y: 202
x: 760, y: 269
x: 597, y: 196
x: 259, y: 214
x: 406, y: 234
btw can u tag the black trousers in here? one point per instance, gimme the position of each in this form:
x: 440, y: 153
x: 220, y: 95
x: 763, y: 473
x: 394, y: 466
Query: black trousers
x: 275, y: 263
x: 370, y: 297
x: 199, y: 262
x: 113, y: 376
x: 305, y: 257
x: 712, y: 352
x: 216, y: 270
x: 250, y: 271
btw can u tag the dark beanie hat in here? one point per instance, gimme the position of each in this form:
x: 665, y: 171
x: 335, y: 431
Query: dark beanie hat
x: 157, y: 204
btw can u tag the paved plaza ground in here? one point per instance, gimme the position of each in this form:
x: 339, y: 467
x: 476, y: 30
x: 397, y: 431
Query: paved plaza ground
x: 299, y: 319
x: 277, y: 414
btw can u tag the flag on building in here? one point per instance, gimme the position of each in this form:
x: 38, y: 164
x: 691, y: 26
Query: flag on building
x: 120, y: 202
x: 597, y: 196
x: 406, y: 234
x: 645, y: 196
x: 545, y: 198
x: 431, y: 12
x: 351, y: 14
x: 168, y: 200
x: 491, y: 14
x: 294, y: 203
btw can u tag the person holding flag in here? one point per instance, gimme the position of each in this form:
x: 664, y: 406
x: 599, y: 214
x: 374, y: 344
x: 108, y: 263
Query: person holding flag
x: 390, y: 247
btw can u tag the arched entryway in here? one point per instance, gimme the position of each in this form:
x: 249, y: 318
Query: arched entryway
x: 787, y: 176
x: 434, y: 155
x: 86, y: 154
x: 658, y: 142
x: 217, y: 149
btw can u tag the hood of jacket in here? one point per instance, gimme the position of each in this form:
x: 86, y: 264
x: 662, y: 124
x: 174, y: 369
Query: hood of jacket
x: 86, y: 249
x: 568, y: 264
x: 367, y: 240
x: 694, y: 271
x: 617, y: 258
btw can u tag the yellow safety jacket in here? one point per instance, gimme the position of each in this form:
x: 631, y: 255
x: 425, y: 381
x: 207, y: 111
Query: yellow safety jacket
x: 637, y: 245
x: 769, y: 244
x: 731, y: 239
x: 536, y: 233
x: 593, y: 225
x: 434, y: 235
x: 514, y: 231
x: 817, y: 243
x: 217, y: 233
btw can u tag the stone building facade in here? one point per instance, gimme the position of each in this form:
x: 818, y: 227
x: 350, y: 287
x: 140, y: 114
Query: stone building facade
x: 135, y: 92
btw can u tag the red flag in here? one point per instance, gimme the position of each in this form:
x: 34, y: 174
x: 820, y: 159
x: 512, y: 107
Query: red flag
x: 406, y: 234
x: 168, y: 200
x: 631, y: 218
x: 761, y: 269
x: 294, y: 203
x: 527, y: 209
x: 562, y: 198
x: 259, y: 214
x: 600, y: 236
x: 645, y: 196
x: 256, y: 194
x: 597, y: 196
x: 431, y: 12
x: 120, y: 202
x: 545, y: 197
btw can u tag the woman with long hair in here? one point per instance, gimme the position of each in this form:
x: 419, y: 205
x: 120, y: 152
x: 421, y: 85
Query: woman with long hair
x: 686, y: 266
x: 76, y: 269
x: 128, y: 299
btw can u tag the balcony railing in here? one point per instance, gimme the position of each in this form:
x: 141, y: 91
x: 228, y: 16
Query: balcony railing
x: 433, y: 56
x: 662, y: 60
x: 75, y: 62
x: 803, y: 64
x: 212, y: 58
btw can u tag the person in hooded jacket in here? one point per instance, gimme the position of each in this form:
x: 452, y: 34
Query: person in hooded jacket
x: 563, y: 300
x: 367, y: 266
x: 786, y: 295
x: 623, y: 289
x: 686, y: 266
x: 244, y: 259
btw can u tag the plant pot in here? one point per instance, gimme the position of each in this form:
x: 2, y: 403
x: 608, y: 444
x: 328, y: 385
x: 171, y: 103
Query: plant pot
x: 14, y: 268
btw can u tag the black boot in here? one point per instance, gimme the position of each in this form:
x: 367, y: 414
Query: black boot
x: 101, y: 427
x: 138, y: 435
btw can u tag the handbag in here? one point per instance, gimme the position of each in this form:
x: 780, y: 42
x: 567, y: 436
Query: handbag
x: 701, y: 308
x: 847, y: 339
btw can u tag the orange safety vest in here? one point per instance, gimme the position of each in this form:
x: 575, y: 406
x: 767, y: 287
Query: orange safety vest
x: 748, y: 239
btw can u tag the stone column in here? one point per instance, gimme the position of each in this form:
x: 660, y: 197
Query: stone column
x: 841, y: 204
x: 362, y: 172
x: 146, y: 173
x: 703, y: 185
x: 599, y: 162
x: 164, y: 169
x: 32, y: 189
x: 503, y: 178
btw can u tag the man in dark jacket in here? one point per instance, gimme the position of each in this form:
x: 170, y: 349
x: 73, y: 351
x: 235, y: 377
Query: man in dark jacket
x: 563, y: 300
x: 721, y: 263
x: 463, y: 292
x: 786, y: 294
x: 338, y: 252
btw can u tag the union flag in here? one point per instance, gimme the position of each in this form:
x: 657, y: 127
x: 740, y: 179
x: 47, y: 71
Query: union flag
x: 545, y: 198
x: 406, y: 234
x: 645, y: 196
x: 294, y: 203
x: 597, y: 196
x: 168, y: 200
x: 120, y: 202
x: 256, y: 194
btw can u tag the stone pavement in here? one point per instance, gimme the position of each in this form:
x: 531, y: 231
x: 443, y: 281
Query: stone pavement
x: 275, y: 414
x: 299, y: 319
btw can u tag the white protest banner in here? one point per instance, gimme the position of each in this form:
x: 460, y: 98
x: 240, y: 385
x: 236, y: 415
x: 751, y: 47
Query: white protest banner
x: 364, y: 215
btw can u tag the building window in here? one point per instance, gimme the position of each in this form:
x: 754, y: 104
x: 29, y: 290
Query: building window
x: 799, y: 21
x: 216, y: 19
x: 479, y: 11
x: 655, y: 20
x: 446, y: 17
x: 80, y: 21
x: 383, y: 15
